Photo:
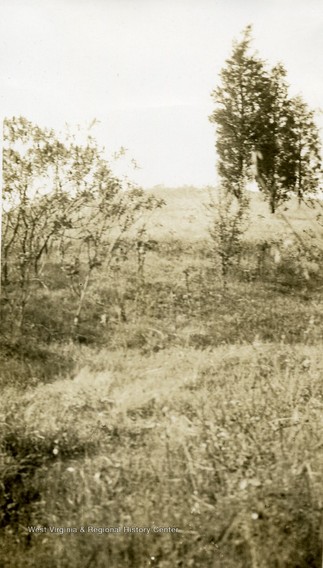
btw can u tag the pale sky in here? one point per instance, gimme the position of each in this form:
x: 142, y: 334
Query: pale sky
x: 145, y: 69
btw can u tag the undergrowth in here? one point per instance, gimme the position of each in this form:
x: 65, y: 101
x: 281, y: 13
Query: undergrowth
x: 180, y: 400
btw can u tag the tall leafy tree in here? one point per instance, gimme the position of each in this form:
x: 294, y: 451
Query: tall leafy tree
x: 275, y: 142
x: 306, y: 148
x: 238, y: 101
x: 262, y: 133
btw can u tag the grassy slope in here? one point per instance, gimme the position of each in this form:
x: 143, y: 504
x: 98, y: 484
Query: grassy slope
x: 222, y: 441
x: 185, y: 216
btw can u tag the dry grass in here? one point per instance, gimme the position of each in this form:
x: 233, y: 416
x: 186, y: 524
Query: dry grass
x: 224, y: 444
x: 185, y: 216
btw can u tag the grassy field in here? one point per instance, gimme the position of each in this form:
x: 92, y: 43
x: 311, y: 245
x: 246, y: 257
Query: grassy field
x: 185, y: 215
x: 183, y: 428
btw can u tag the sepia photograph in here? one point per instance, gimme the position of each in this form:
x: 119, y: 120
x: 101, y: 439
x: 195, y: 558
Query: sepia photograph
x: 161, y: 284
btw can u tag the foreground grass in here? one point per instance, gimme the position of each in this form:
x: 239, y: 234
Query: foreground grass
x: 224, y: 444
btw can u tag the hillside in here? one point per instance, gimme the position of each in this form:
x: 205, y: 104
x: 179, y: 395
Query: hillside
x: 185, y: 215
x: 179, y: 424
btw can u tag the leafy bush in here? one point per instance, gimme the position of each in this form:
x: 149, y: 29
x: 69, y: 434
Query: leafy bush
x: 229, y: 222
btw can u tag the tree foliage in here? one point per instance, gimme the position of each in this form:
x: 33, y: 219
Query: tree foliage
x: 263, y: 133
x: 61, y: 200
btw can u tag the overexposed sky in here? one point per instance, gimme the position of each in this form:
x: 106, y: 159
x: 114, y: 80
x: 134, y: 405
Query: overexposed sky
x: 145, y: 70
